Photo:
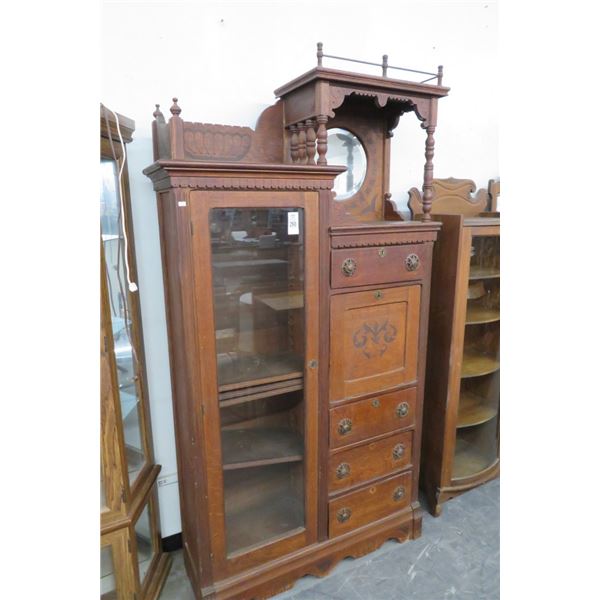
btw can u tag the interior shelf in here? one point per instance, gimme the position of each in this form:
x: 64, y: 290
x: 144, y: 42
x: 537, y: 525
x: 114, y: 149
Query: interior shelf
x: 257, y: 392
x: 288, y: 300
x: 474, y: 409
x: 243, y: 448
x: 236, y: 372
x: 478, y: 272
x: 469, y: 461
x: 135, y: 458
x: 475, y: 363
x: 477, y: 314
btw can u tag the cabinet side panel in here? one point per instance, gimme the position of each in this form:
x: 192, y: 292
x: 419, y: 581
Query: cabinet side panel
x: 175, y: 259
x: 443, y: 299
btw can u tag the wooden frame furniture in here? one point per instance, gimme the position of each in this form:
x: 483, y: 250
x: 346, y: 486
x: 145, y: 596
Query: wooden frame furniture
x: 132, y: 562
x: 297, y: 311
x: 461, y: 430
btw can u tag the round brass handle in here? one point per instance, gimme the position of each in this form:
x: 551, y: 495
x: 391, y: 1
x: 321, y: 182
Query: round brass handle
x: 381, y: 252
x: 349, y: 267
x: 345, y: 426
x: 398, y: 451
x: 375, y: 403
x: 343, y: 514
x: 402, y: 409
x: 399, y: 493
x: 412, y: 262
x: 342, y: 471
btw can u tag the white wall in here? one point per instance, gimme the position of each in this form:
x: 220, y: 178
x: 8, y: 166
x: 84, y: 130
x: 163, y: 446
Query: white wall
x: 224, y: 59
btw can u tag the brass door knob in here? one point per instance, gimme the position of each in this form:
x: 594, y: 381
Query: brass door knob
x: 399, y: 493
x: 412, y: 262
x: 402, y: 409
x: 343, y: 470
x: 343, y: 514
x: 398, y: 451
x: 345, y: 426
x: 349, y: 267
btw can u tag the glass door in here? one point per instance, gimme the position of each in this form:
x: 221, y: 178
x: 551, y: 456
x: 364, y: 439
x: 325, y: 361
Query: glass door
x: 263, y: 272
x: 477, y: 433
x: 258, y: 270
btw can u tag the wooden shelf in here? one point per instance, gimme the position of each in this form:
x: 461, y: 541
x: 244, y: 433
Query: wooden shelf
x: 278, y: 515
x: 478, y: 272
x: 477, y: 314
x: 283, y: 300
x: 244, y: 448
x: 248, y: 371
x: 469, y: 460
x: 257, y: 392
x: 474, y: 410
x: 475, y: 364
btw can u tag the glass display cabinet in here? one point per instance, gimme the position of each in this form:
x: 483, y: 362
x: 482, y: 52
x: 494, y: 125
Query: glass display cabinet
x: 297, y: 305
x: 132, y: 564
x: 461, y: 435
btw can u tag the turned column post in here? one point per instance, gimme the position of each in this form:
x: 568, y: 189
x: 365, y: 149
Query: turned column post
x: 428, y: 173
x: 322, y: 140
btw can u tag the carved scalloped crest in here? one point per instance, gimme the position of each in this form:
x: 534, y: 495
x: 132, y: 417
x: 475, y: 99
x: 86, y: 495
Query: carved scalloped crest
x: 451, y: 196
x: 216, y: 142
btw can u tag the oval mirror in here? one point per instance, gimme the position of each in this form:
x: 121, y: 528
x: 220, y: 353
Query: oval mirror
x: 344, y: 148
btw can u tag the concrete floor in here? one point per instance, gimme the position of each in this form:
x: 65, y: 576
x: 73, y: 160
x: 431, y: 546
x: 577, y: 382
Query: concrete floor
x: 457, y: 557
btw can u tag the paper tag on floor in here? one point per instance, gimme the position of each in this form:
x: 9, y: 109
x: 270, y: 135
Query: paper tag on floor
x: 293, y: 224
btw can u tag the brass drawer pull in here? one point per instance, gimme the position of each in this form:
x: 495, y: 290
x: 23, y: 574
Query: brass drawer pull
x: 345, y: 426
x: 412, y: 262
x: 402, y: 409
x: 398, y: 451
x: 399, y: 493
x: 342, y: 471
x: 381, y: 252
x: 378, y: 295
x: 343, y: 514
x: 349, y: 267
x: 375, y: 403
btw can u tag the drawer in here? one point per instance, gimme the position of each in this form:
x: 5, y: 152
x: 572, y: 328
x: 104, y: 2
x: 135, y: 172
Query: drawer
x: 374, y: 265
x: 370, y: 417
x: 369, y: 461
x: 369, y: 504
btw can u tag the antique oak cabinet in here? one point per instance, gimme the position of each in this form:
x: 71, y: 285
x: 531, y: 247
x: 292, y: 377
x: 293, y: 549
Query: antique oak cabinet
x: 462, y: 392
x: 132, y: 564
x: 297, y: 313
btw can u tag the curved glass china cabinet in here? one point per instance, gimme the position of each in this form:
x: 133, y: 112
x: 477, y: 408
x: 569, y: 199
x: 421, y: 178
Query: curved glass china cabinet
x: 132, y: 564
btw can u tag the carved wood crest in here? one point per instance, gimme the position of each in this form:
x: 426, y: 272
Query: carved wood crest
x: 216, y: 142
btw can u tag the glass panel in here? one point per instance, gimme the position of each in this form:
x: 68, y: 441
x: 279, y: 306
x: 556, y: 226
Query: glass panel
x: 258, y: 291
x: 344, y: 148
x: 144, y: 537
x: 479, y: 402
x: 111, y: 225
x: 108, y: 586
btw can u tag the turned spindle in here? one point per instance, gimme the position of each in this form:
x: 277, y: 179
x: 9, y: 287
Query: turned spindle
x: 440, y: 74
x: 384, y: 65
x: 311, y: 145
x: 294, y: 143
x: 322, y: 140
x: 428, y: 174
x: 319, y: 54
x: 302, y: 143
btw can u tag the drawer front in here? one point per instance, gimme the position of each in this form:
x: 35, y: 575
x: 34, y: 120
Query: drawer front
x: 369, y: 504
x: 374, y: 340
x: 369, y: 461
x: 379, y: 264
x: 370, y: 417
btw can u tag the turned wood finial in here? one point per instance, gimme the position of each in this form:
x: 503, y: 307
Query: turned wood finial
x: 384, y: 65
x: 319, y: 54
x: 158, y: 115
x: 440, y: 74
x: 175, y: 110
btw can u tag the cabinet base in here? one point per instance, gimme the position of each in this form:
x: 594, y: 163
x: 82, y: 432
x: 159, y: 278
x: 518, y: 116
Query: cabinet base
x: 437, y: 496
x: 317, y: 559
